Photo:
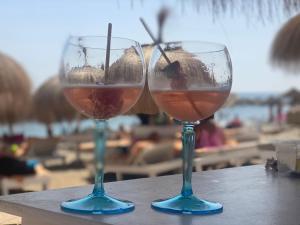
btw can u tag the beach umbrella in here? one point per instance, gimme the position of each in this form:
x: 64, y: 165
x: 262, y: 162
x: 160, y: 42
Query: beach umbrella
x: 145, y: 104
x: 126, y: 69
x: 15, y: 86
x: 85, y: 75
x: 285, y: 50
x: 253, y: 11
x: 294, y: 96
x: 50, y: 104
x: 189, y: 66
x: 262, y: 11
x: 90, y: 75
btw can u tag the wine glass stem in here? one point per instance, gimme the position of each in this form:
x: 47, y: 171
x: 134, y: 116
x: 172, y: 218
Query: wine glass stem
x: 188, y: 143
x: 100, y: 141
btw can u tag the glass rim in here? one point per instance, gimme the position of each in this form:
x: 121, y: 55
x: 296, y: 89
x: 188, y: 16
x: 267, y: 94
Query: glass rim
x: 99, y: 36
x: 218, y: 46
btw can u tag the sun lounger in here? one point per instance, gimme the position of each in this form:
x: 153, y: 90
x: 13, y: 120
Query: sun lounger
x: 44, y: 149
x: 151, y: 161
x: 226, y: 154
x: 151, y: 170
x: 243, y: 134
x: 169, y: 131
x: 8, y: 183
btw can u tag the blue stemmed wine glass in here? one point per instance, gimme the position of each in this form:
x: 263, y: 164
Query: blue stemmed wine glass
x: 101, y: 84
x: 189, y: 81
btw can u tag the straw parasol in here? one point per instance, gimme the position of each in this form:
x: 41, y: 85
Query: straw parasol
x: 262, y: 11
x: 129, y: 64
x: 294, y: 96
x: 15, y: 89
x: 127, y: 69
x: 190, y: 66
x: 50, y: 104
x: 285, y: 50
x: 91, y: 75
x: 85, y: 75
x: 145, y: 104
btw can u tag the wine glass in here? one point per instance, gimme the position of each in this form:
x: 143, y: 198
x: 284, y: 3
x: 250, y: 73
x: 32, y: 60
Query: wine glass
x: 101, y: 89
x: 189, y: 81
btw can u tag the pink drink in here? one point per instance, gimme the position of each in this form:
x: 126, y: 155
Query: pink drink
x: 102, y: 102
x: 190, y: 105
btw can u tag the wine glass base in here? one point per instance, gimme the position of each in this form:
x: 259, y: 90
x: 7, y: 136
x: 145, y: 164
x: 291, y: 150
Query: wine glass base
x: 97, y: 204
x: 187, y: 205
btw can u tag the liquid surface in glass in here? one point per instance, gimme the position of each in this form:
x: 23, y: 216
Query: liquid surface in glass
x: 102, y: 102
x: 190, y: 105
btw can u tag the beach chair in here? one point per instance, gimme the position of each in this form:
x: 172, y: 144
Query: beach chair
x: 169, y: 131
x: 236, y: 155
x: 243, y: 134
x: 73, y: 142
x: 151, y: 162
x: 44, y: 149
x: 13, y: 182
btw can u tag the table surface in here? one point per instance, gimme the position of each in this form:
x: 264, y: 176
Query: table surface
x: 250, y: 195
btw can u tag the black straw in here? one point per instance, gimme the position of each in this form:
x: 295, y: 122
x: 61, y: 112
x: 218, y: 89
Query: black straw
x: 154, y: 40
x: 107, y: 51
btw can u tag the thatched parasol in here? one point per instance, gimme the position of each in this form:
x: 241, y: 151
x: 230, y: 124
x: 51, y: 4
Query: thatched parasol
x: 127, y: 69
x: 84, y: 75
x: 92, y: 75
x: 190, y: 66
x: 294, y: 96
x: 285, y: 50
x: 145, y: 104
x: 15, y: 89
x: 50, y: 104
x: 262, y: 11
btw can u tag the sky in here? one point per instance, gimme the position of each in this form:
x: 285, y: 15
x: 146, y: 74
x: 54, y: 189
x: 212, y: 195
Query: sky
x: 33, y: 32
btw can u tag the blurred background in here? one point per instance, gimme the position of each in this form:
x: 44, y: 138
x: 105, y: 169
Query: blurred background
x: 39, y: 128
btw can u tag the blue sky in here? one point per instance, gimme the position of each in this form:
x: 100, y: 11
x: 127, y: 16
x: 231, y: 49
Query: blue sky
x: 33, y: 32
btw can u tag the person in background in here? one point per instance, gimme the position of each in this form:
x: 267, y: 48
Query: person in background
x: 208, y: 134
x: 271, y: 114
x: 280, y: 116
x: 11, y: 165
x: 235, y: 123
x: 139, y: 145
x: 129, y: 155
x: 122, y: 133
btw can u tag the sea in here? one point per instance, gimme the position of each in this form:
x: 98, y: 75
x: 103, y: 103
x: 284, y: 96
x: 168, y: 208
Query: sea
x: 248, y: 114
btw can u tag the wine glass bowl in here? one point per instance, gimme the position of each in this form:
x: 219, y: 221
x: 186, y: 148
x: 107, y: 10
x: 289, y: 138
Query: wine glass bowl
x: 101, y: 89
x: 94, y: 93
x: 189, y: 81
x: 195, y: 84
